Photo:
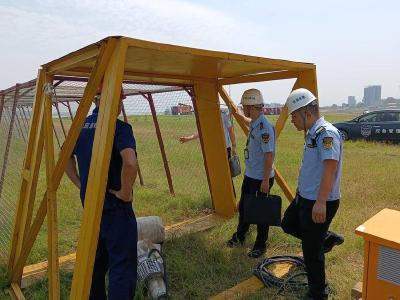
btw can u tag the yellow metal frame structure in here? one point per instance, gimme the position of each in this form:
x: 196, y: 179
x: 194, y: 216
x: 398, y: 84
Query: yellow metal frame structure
x: 113, y: 60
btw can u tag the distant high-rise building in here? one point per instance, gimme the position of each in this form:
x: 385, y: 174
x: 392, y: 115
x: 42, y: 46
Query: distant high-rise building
x: 351, y: 101
x: 372, y: 95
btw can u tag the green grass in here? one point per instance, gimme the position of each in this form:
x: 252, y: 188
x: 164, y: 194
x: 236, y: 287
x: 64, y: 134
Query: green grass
x: 199, y: 265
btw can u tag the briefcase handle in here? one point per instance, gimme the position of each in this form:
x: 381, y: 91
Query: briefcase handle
x: 266, y: 194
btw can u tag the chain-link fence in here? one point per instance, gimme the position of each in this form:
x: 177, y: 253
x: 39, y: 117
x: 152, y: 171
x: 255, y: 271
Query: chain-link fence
x: 172, y: 181
x: 15, y: 114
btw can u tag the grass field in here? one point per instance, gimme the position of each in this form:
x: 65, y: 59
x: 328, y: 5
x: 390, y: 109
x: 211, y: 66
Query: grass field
x: 199, y: 265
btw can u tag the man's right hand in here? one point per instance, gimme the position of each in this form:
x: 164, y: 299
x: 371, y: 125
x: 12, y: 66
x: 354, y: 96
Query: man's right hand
x: 184, y: 139
x: 126, y: 197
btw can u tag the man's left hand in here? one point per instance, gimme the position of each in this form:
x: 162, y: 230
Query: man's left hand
x: 319, y: 212
x: 234, y: 152
x: 264, y: 188
x: 120, y: 195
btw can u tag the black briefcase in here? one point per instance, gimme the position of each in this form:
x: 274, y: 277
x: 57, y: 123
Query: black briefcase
x: 262, y: 208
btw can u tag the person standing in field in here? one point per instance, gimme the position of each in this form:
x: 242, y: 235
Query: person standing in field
x: 317, y: 200
x: 259, y: 173
x: 117, y: 245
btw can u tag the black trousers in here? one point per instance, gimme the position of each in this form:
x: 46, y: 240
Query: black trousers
x: 298, y: 222
x: 116, y: 254
x: 251, y: 186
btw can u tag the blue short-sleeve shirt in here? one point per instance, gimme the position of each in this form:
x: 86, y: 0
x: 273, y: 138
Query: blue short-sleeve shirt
x: 123, y: 139
x: 323, y: 141
x: 261, y: 140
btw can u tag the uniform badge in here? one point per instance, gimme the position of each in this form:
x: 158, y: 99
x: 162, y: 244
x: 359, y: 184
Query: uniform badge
x: 265, y: 137
x: 328, y: 142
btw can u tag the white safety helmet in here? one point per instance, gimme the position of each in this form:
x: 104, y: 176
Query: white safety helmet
x: 298, y: 99
x: 252, y: 97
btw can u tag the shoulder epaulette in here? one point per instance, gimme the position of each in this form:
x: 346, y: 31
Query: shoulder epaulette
x: 319, y: 130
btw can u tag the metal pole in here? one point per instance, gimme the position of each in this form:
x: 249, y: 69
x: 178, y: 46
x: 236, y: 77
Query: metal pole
x: 126, y: 120
x: 193, y: 97
x: 2, y: 98
x: 8, y: 142
x: 20, y: 126
x: 69, y: 110
x: 55, y: 132
x: 160, y: 142
x: 59, y: 117
x: 9, y: 116
x: 25, y: 117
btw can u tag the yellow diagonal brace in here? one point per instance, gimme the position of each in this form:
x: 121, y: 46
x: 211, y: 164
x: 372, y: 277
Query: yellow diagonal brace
x: 105, y: 53
x: 98, y: 173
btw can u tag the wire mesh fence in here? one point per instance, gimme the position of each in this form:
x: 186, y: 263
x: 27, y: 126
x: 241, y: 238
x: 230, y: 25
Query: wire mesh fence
x: 15, y: 114
x: 172, y: 181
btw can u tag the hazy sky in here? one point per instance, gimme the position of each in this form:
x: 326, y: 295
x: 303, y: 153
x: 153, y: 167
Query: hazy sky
x: 353, y: 43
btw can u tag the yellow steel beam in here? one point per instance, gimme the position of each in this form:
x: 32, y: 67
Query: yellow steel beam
x: 65, y: 153
x: 147, y: 77
x: 279, y: 63
x: 52, y: 228
x: 259, y: 77
x: 72, y: 59
x: 15, y: 292
x: 214, y: 150
x: 241, y: 290
x: 98, y: 173
x: 27, y: 193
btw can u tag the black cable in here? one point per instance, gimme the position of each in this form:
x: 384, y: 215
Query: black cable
x: 270, y: 280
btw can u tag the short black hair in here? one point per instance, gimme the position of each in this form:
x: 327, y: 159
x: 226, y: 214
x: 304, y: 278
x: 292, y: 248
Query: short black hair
x: 313, y: 107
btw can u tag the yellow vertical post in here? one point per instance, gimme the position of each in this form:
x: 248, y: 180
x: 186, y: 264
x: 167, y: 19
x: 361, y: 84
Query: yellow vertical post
x: 107, y: 49
x: 52, y: 228
x: 97, y: 181
x: 27, y: 193
x: 213, y: 140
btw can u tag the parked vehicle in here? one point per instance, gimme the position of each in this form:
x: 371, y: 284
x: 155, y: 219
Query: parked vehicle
x: 381, y: 125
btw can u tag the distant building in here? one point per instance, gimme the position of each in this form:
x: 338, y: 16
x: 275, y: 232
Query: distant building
x: 391, y: 103
x: 372, y: 95
x: 351, y: 101
x: 182, y: 109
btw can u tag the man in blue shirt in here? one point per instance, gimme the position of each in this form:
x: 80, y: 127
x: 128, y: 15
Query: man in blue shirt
x: 116, y: 248
x: 309, y: 215
x: 259, y: 155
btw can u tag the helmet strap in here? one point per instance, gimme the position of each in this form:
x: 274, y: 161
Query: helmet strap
x: 304, y: 117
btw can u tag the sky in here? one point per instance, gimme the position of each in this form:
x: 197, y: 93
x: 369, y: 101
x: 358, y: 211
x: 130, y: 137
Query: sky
x: 352, y: 43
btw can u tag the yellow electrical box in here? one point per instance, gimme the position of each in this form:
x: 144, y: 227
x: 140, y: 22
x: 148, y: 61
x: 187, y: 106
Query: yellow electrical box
x: 381, y: 233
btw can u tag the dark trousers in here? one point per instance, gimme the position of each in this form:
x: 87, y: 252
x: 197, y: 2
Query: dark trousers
x: 251, y: 186
x: 116, y: 253
x: 298, y: 222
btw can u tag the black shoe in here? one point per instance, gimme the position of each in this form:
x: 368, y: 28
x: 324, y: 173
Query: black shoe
x: 310, y: 296
x: 234, y: 242
x: 332, y: 239
x: 256, y: 252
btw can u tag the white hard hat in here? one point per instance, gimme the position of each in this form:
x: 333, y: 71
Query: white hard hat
x: 252, y: 97
x: 298, y: 99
